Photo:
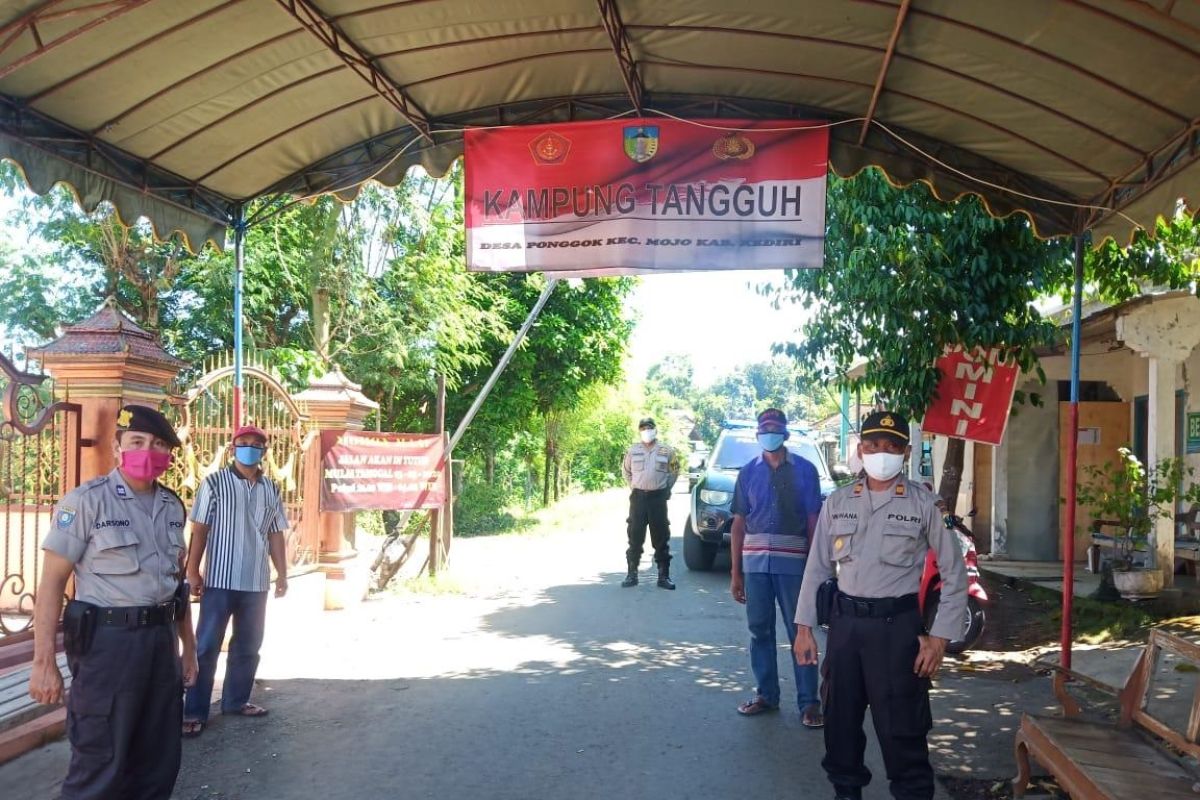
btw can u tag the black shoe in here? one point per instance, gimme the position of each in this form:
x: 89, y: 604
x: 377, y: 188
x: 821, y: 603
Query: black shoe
x: 664, y: 578
x: 631, y: 578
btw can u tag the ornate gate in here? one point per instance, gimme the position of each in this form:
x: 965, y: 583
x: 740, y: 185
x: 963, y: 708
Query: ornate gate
x: 205, y: 424
x: 39, y: 462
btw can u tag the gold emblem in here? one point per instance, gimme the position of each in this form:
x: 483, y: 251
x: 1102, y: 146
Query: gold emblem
x: 899, y: 490
x: 124, y: 418
x: 837, y: 545
x: 887, y: 422
x: 858, y: 489
x: 734, y: 146
x: 550, y: 148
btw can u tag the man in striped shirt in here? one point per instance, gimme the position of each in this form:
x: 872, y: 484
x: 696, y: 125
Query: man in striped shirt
x: 776, y: 501
x: 237, y: 522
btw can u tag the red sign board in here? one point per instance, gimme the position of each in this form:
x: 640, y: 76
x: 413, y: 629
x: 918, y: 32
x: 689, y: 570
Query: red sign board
x: 646, y: 195
x: 390, y: 471
x: 974, y: 396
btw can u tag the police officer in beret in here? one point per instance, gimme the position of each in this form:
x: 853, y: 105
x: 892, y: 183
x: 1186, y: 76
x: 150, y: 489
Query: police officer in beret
x: 876, y: 533
x: 650, y: 469
x: 121, y: 535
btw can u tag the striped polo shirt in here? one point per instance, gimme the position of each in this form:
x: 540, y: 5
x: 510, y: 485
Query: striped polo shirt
x: 239, y: 514
x: 775, y: 504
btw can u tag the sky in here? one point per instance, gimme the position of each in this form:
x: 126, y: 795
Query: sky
x: 714, y: 317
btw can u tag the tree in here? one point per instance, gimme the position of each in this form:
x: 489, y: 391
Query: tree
x: 907, y: 276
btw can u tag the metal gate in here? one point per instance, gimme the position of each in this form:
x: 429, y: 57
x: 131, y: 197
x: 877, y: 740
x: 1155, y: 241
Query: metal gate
x: 39, y: 462
x: 205, y: 425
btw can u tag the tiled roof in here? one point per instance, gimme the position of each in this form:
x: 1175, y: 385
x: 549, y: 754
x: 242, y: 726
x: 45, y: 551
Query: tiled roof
x: 109, y: 332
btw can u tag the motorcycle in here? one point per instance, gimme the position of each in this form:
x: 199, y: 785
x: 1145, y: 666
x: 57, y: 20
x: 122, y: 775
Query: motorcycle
x: 931, y: 589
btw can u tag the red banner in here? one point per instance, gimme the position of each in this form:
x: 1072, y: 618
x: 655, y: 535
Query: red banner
x: 390, y: 471
x: 974, y: 396
x: 646, y: 195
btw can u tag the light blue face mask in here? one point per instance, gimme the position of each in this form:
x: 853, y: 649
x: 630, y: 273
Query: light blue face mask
x: 771, y: 441
x: 248, y: 455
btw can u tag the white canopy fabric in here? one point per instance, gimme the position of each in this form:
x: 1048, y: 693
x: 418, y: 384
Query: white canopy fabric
x: 1084, y: 114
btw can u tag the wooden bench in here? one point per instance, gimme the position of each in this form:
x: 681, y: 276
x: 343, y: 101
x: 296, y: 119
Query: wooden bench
x: 1137, y: 755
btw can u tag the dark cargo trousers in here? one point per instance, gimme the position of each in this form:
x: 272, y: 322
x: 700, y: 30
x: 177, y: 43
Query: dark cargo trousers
x: 649, y: 508
x: 124, y: 714
x: 869, y: 662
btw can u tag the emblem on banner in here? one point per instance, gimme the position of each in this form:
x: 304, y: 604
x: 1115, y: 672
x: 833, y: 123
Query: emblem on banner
x: 550, y: 149
x: 641, y: 143
x: 734, y: 146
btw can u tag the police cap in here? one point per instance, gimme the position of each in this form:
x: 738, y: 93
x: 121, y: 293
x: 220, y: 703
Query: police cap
x: 886, y: 425
x: 146, y: 420
x: 772, y: 421
x: 647, y: 422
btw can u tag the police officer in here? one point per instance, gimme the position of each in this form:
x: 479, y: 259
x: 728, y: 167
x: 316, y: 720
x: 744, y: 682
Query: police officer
x: 122, y: 537
x: 877, y: 532
x: 650, y: 470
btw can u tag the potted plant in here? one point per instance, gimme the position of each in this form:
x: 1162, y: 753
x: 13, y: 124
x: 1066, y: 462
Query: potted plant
x: 1131, y: 499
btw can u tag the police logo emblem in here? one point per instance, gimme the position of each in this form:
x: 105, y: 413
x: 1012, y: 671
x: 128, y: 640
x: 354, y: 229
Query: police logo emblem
x: 734, y: 146
x: 839, y: 543
x: 858, y: 489
x: 899, y: 490
x: 887, y: 422
x: 641, y: 143
x: 124, y: 418
x: 65, y: 517
x: 550, y: 149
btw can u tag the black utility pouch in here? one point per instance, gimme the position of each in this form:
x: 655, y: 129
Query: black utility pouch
x: 79, y: 628
x: 181, y: 599
x: 826, y: 597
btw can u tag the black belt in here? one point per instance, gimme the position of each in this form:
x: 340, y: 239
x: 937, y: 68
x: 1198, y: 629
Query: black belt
x: 876, y: 607
x: 136, y: 616
x: 651, y: 491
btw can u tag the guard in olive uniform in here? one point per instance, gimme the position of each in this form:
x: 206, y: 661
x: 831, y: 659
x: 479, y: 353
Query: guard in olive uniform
x: 122, y: 537
x: 650, y: 470
x: 877, y: 531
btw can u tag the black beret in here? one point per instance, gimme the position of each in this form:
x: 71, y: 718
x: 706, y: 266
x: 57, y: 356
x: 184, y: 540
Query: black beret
x: 146, y: 420
x: 888, y: 424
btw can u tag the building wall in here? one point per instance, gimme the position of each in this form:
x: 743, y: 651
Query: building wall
x: 1025, y: 512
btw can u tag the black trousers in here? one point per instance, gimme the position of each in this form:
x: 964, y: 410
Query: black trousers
x: 649, y: 508
x: 124, y: 713
x: 869, y: 662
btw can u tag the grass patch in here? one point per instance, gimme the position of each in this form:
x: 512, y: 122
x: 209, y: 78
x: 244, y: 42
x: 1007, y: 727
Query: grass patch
x: 1095, y: 622
x: 439, y: 585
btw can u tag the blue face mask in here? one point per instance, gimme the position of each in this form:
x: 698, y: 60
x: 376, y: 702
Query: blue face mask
x: 771, y: 441
x: 248, y: 455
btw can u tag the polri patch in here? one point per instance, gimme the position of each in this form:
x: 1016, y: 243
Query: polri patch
x: 65, y: 517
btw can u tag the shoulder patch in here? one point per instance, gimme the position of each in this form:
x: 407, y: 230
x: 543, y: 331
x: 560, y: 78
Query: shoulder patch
x: 65, y: 517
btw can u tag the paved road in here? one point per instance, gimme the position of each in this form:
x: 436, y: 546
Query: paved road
x: 539, y: 678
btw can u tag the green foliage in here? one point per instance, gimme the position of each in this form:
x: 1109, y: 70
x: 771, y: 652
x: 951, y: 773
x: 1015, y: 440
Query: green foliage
x: 485, y: 509
x: 1135, y: 498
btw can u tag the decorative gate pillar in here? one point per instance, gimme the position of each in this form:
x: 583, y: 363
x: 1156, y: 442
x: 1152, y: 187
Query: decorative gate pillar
x: 333, y: 402
x: 1165, y: 332
x: 103, y: 363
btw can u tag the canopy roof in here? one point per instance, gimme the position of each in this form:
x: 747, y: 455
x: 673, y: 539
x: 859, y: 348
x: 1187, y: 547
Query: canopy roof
x: 1083, y: 113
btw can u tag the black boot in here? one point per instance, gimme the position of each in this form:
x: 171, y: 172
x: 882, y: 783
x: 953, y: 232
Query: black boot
x: 631, y: 577
x: 664, y: 577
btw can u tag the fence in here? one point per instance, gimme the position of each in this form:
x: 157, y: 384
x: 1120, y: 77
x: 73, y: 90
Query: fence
x: 204, y: 421
x: 39, y: 461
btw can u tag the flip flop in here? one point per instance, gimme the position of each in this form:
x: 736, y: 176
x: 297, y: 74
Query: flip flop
x: 192, y: 728
x: 249, y: 710
x: 754, y: 707
x: 811, y: 717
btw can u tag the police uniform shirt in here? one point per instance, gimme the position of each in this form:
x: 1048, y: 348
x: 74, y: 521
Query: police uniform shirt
x: 651, y: 468
x: 879, y: 547
x: 123, y: 556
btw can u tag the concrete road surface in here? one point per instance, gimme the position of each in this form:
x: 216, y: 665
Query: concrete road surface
x: 536, y: 678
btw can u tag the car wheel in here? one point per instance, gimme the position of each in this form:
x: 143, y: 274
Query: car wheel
x: 697, y: 553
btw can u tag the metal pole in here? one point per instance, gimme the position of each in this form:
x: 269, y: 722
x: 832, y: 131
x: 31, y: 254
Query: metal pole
x: 239, y: 256
x: 1072, y: 457
x: 844, y: 437
x: 507, y: 357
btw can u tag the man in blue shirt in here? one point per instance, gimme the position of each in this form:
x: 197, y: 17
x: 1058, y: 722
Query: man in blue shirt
x: 776, y: 501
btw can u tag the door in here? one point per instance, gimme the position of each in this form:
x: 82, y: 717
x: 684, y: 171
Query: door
x: 981, y: 524
x: 1103, y: 429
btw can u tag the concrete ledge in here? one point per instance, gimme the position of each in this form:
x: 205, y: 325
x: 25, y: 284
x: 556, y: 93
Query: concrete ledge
x: 33, y: 734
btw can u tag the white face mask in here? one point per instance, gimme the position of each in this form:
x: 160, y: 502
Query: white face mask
x: 883, y: 466
x: 648, y: 435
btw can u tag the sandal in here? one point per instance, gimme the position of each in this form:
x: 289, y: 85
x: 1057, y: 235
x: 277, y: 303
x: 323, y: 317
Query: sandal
x: 192, y: 728
x: 249, y: 710
x: 758, y: 705
x: 811, y: 717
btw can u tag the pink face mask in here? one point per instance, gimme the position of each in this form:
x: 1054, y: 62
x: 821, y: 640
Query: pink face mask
x: 144, y: 465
